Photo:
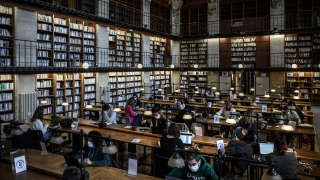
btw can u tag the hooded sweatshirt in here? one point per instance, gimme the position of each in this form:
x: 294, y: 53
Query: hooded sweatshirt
x: 205, y: 172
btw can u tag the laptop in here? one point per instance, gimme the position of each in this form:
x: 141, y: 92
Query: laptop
x: 266, y: 148
x: 186, y: 138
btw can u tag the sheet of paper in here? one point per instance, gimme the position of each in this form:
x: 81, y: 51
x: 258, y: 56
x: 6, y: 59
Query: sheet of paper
x: 132, y: 166
x: 198, y: 131
x: 135, y: 140
x: 128, y: 127
x: 220, y: 145
x: 264, y: 108
x: 43, y: 149
x: 20, y: 164
x: 216, y: 119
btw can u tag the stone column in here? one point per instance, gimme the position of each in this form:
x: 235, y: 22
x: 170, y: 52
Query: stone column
x: 102, y: 46
x: 277, y: 15
x: 146, y: 13
x: 213, y: 52
x: 146, y: 61
x: 26, y: 35
x: 102, y: 8
x: 103, y: 88
x: 25, y: 84
x: 147, y: 84
x: 175, y: 16
x: 213, y: 17
x: 277, y: 50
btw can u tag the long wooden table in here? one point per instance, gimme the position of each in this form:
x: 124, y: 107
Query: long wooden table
x: 151, y: 139
x: 53, y: 165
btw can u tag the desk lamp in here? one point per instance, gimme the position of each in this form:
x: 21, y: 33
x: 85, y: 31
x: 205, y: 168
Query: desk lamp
x: 110, y: 148
x: 147, y: 113
x: 176, y: 160
x: 116, y: 109
x: 287, y: 128
x: 187, y: 116
x: 231, y: 121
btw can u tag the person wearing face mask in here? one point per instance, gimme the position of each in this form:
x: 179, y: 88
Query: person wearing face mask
x: 108, y: 115
x: 93, y: 152
x: 159, y: 124
x: 197, y: 168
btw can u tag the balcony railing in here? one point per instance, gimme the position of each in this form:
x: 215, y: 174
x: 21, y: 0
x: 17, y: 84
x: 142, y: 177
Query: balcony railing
x: 25, y: 55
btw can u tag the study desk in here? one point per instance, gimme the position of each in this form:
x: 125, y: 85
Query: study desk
x: 52, y: 165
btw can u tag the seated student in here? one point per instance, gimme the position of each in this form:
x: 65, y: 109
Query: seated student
x: 170, y: 141
x: 71, y: 173
x: 182, y: 110
x: 159, y: 123
x: 240, y: 149
x: 108, y: 115
x: 93, y: 151
x: 37, y: 124
x: 134, y: 120
x: 209, y: 93
x: 249, y: 128
x: 293, y: 114
x: 197, y: 168
x: 168, y: 145
x: 284, y: 164
x: 226, y: 112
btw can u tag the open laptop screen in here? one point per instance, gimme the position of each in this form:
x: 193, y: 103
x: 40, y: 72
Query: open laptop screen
x: 186, y: 138
x: 266, y: 148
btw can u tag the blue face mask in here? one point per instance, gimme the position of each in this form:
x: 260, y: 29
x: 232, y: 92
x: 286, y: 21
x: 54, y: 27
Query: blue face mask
x: 90, y: 144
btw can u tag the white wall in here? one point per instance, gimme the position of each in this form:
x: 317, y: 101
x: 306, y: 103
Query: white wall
x: 213, y: 17
x: 103, y: 46
x: 25, y: 29
x: 277, y: 18
x: 146, y: 61
x: 277, y: 50
x: 213, y: 52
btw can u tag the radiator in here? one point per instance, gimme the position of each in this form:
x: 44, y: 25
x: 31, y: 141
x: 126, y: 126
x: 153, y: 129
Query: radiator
x: 27, y: 105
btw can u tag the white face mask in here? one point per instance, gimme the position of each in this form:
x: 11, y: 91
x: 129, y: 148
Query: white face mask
x: 158, y: 116
x: 194, y: 168
x: 181, y: 106
x: 90, y: 144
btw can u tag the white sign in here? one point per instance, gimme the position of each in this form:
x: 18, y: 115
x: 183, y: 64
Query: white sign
x: 132, y: 166
x: 20, y: 164
x: 264, y: 108
x: 216, y: 119
x: 220, y: 145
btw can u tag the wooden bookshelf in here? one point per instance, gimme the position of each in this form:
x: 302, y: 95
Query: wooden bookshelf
x: 189, y: 80
x: 7, y: 97
x: 65, y: 42
x: 45, y: 92
x: 161, y: 80
x: 44, y: 40
x: 298, y: 50
x: 89, y: 90
x: 124, y: 48
x: 6, y: 36
x: 158, y: 51
x: 76, y: 42
x: 243, y: 51
x: 123, y: 85
x: 308, y: 83
x: 89, y: 44
x: 194, y: 52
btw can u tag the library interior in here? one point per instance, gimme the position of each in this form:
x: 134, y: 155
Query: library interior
x: 160, y: 89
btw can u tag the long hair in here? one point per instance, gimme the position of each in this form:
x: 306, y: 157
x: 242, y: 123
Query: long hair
x: 173, y: 131
x: 130, y: 102
x: 38, y: 114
